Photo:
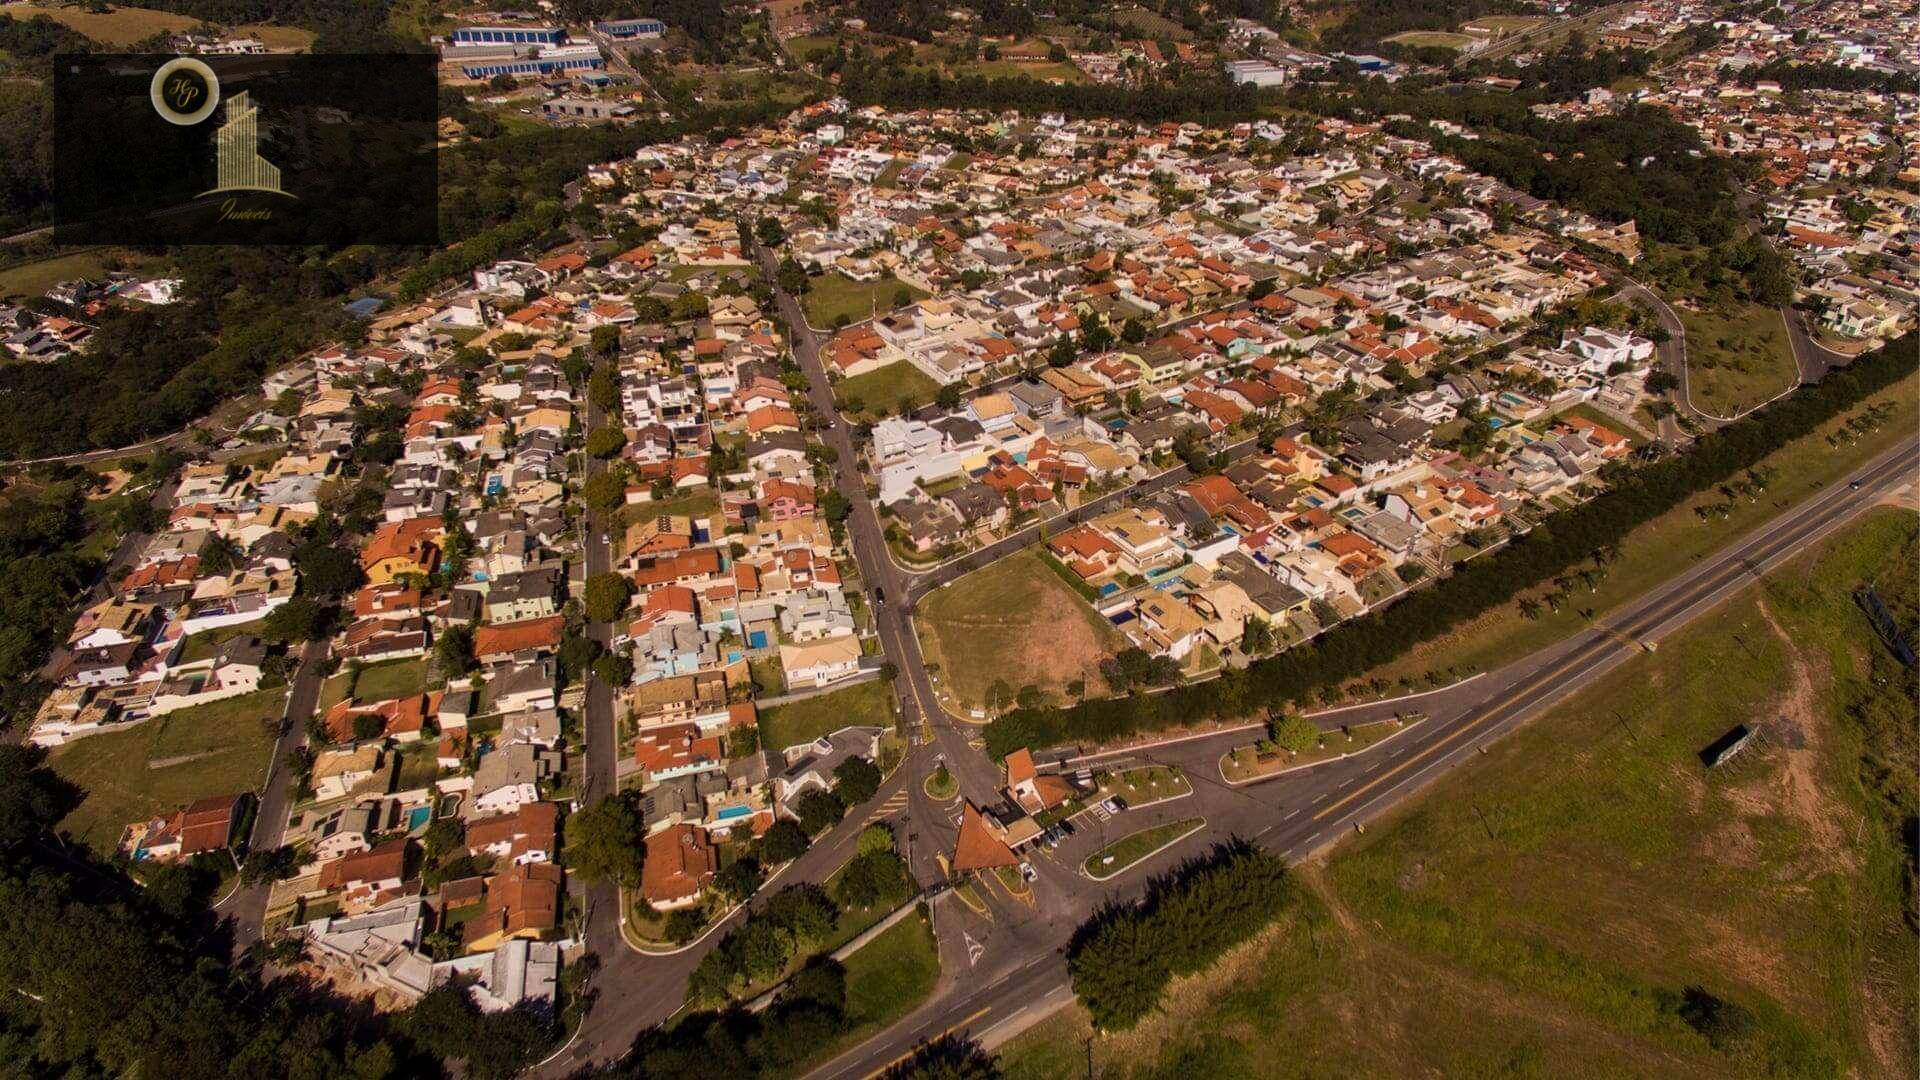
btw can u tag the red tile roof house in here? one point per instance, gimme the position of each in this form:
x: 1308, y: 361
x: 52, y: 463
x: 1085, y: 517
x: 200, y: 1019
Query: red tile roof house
x: 782, y: 500
x: 979, y: 847
x: 403, y: 719
x: 1033, y: 791
x: 677, y: 750
x: 498, y: 641
x: 206, y: 825
x: 680, y: 862
x: 364, y: 877
x: 530, y: 834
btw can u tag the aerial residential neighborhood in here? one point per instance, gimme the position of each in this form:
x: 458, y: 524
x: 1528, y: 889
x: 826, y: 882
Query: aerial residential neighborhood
x: 1026, y: 540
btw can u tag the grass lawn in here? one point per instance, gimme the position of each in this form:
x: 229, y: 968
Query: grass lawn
x: 34, y: 278
x: 805, y: 46
x: 830, y: 296
x: 880, y: 391
x: 1737, y: 359
x: 1507, y: 22
x: 803, y: 721
x: 121, y: 26
x: 1651, y: 552
x: 203, y: 645
x: 333, y: 691
x: 217, y: 749
x: 1133, y: 847
x: 887, y: 978
x: 1244, y: 763
x: 395, y: 678
x: 1064, y: 70
x: 1148, y: 784
x: 698, y: 503
x: 1610, y: 873
x: 1586, y: 411
x: 276, y: 37
x: 1014, y: 622
x: 1436, y: 38
x: 1152, y: 24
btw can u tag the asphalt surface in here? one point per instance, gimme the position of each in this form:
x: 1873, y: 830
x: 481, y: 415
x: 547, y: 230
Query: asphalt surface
x: 246, y: 905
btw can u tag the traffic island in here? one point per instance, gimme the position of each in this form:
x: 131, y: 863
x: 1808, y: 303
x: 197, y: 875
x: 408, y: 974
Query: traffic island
x: 1114, y: 859
x: 1264, y: 760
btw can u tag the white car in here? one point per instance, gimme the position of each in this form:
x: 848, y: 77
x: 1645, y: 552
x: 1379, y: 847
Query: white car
x: 1028, y: 872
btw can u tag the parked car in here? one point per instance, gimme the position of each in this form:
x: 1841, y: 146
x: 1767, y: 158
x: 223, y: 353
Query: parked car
x: 1027, y: 871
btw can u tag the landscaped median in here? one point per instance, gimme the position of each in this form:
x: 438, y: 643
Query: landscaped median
x: 1266, y: 759
x: 1114, y: 859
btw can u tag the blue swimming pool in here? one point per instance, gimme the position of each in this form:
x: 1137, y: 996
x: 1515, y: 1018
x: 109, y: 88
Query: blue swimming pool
x: 418, y: 817
x: 729, y: 813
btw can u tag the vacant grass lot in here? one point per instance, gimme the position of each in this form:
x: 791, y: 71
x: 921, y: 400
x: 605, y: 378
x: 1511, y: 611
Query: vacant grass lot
x: 881, y: 391
x: 216, y: 749
x: 1434, y: 38
x: 1651, y: 554
x: 121, y: 26
x: 1611, y: 874
x: 887, y: 978
x: 34, y: 278
x: 1014, y: 622
x: 830, y: 296
x: 395, y: 678
x: 869, y: 703
x: 1612, y: 423
x: 203, y: 645
x: 1737, y: 359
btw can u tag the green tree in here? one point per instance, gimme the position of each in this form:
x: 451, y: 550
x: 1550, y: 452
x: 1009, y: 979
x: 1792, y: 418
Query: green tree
x: 607, y: 840
x: 1296, y: 733
x: 875, y: 877
x: 606, y: 442
x: 856, y: 780
x: 603, y: 389
x: 605, y: 341
x: 783, y: 842
x: 740, y: 878
x: 819, y: 811
x: 614, y: 669
x: 604, y: 492
x: 296, y: 620
x: 326, y: 570
x: 607, y: 595
x: 454, y: 650
x: 32, y: 797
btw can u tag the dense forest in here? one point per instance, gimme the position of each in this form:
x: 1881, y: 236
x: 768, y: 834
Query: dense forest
x: 1203, y: 100
x: 1562, y: 541
x: 1796, y: 76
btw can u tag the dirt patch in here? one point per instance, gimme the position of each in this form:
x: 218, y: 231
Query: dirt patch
x: 114, y: 480
x: 1796, y: 789
x: 1021, y: 626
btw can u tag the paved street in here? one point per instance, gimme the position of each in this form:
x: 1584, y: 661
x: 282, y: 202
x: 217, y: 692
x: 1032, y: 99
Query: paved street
x: 246, y: 905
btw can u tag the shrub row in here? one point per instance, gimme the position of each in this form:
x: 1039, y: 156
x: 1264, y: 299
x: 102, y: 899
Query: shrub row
x: 1557, y: 544
x: 1123, y: 959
